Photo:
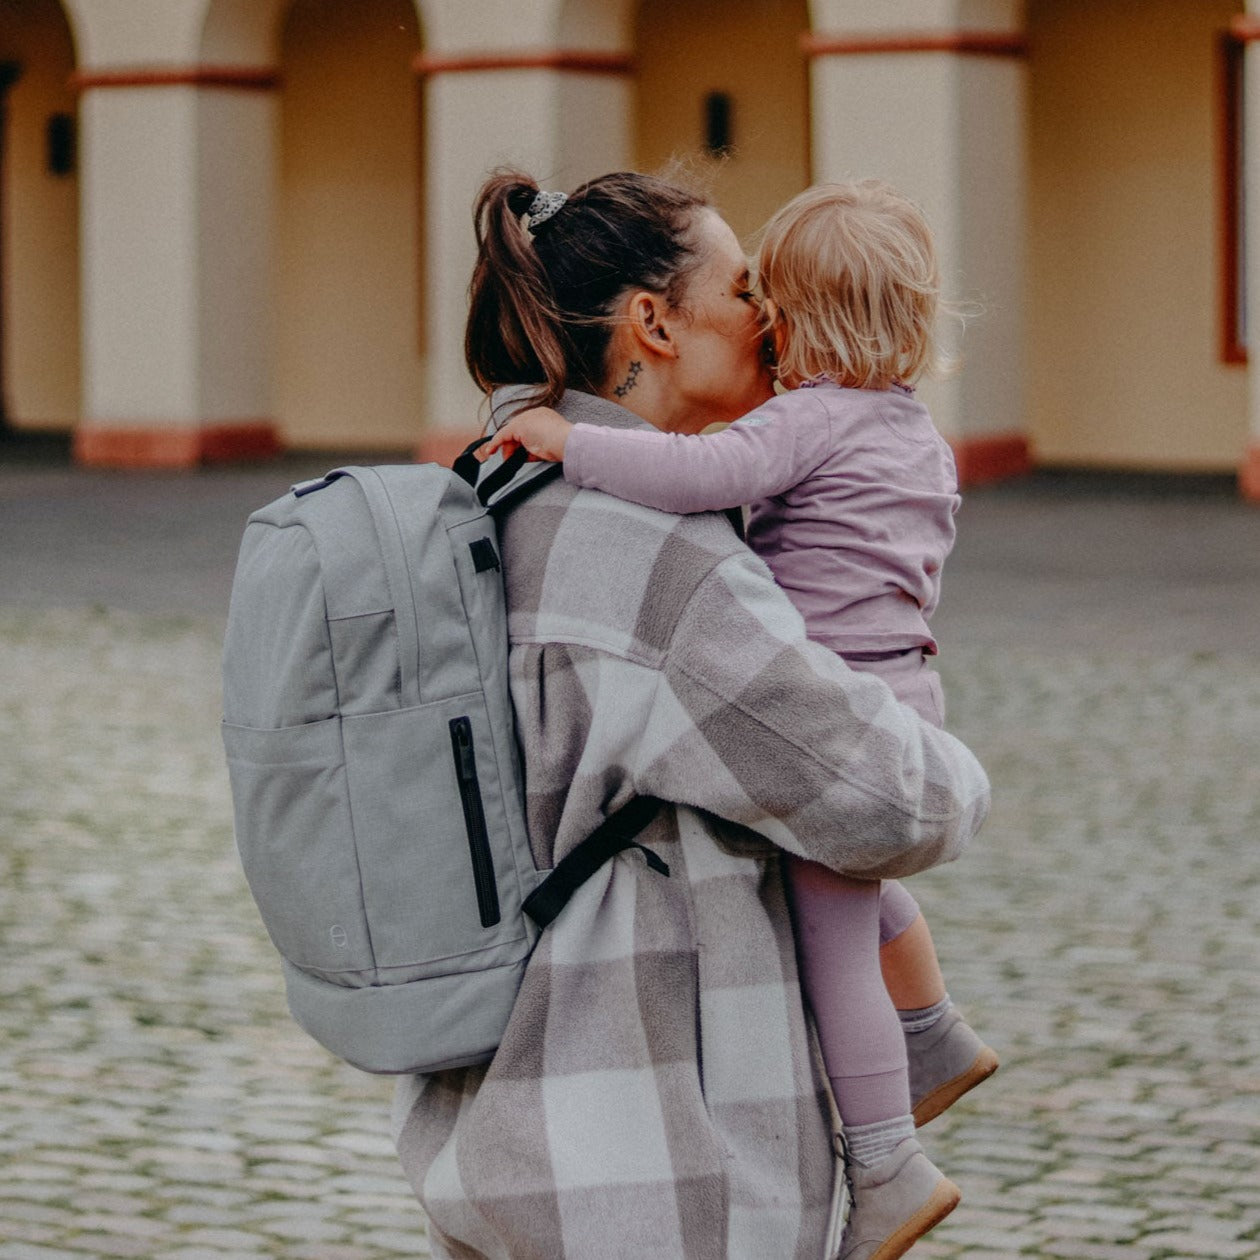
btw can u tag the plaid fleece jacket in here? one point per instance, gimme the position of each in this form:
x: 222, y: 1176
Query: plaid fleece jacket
x: 654, y: 1094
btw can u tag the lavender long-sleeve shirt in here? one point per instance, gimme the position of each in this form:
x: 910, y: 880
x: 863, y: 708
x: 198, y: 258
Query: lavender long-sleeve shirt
x: 852, y: 492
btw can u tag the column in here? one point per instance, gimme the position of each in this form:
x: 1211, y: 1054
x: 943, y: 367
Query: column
x: 1247, y: 29
x: 176, y: 187
x: 560, y: 114
x: 930, y: 95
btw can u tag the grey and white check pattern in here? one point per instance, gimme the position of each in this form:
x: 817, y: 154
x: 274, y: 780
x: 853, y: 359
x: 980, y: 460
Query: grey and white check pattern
x: 654, y: 1094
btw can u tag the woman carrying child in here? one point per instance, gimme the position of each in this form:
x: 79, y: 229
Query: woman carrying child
x: 654, y: 1093
x: 853, y: 494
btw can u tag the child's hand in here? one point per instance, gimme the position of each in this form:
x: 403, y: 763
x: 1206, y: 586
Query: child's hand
x: 540, y: 430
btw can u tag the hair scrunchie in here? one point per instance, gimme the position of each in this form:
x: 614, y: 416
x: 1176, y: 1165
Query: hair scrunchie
x: 544, y: 205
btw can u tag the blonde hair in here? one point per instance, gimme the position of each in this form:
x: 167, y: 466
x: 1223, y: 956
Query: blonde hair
x: 852, y: 271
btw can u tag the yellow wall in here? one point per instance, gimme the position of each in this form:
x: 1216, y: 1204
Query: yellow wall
x: 749, y: 48
x: 349, y: 369
x: 41, y: 228
x: 1123, y: 297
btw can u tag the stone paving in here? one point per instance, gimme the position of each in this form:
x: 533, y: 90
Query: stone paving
x: 1104, y: 932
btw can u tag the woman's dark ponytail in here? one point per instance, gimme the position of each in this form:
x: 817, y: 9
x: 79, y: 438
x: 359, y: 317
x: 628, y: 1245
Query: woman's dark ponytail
x: 541, y: 304
x: 514, y: 333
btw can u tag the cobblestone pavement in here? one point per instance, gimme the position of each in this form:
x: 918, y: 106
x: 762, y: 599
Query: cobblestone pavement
x: 156, y: 1101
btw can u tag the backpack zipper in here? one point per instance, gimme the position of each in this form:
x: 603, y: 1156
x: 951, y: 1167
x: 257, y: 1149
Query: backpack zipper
x: 475, y: 820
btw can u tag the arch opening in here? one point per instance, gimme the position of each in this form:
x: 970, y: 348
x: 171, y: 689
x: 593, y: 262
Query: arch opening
x: 40, y: 357
x: 348, y: 256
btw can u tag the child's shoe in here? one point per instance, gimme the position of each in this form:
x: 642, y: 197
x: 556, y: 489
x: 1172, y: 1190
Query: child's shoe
x: 946, y: 1061
x: 895, y: 1202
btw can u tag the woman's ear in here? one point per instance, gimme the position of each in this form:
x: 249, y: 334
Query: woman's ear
x: 650, y: 324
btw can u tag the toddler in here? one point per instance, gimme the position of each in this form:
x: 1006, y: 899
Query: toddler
x: 853, y: 494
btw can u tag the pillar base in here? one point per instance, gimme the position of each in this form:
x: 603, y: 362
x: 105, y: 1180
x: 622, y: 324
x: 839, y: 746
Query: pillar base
x: 101, y: 446
x: 442, y: 447
x: 1249, y: 475
x: 991, y: 458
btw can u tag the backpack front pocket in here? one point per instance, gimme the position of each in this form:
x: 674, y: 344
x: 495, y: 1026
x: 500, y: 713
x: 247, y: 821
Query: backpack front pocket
x: 439, y: 869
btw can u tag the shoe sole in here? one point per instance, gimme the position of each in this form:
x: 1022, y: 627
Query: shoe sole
x: 945, y: 1198
x: 945, y: 1096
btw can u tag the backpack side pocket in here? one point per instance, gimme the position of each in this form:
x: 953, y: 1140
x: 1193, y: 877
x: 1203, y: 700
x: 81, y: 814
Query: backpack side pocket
x: 296, y: 841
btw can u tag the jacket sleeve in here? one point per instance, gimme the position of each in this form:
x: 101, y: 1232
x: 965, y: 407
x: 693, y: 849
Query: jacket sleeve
x: 765, y: 453
x: 758, y: 725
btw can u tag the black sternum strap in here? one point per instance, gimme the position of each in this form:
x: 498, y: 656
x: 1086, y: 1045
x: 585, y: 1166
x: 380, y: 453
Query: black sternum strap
x: 614, y: 835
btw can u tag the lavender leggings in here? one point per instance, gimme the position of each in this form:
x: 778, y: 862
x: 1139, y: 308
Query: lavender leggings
x: 840, y: 925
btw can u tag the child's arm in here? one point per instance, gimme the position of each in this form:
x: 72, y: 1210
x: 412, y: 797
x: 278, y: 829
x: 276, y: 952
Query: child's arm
x: 768, y: 451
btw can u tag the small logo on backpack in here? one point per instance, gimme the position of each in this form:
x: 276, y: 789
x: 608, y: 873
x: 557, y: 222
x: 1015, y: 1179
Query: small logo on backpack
x: 339, y: 937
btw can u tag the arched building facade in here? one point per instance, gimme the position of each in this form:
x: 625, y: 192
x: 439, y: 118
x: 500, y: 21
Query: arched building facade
x: 235, y: 225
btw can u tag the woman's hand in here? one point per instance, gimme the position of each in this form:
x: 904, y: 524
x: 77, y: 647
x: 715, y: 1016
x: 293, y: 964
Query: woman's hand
x: 542, y: 431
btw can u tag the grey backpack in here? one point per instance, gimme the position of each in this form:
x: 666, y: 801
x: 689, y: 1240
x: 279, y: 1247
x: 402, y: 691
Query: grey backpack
x: 372, y: 757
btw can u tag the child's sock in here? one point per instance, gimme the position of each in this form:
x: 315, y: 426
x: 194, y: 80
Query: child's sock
x: 870, y: 1143
x: 923, y: 1019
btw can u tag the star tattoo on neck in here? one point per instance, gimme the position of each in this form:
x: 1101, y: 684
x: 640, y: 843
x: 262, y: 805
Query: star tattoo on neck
x: 628, y: 384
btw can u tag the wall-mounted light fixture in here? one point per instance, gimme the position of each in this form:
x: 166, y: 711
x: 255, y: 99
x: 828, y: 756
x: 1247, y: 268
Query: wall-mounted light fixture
x: 718, y: 139
x: 60, y: 144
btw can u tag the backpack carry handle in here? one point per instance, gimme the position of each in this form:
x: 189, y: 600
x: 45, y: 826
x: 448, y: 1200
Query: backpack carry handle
x: 468, y: 466
x: 303, y: 488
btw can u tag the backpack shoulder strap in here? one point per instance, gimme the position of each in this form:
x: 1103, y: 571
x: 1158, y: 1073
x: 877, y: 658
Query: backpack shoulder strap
x: 517, y: 494
x: 614, y: 835
x: 618, y: 831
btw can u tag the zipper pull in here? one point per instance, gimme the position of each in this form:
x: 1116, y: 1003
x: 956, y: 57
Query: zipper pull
x: 462, y: 729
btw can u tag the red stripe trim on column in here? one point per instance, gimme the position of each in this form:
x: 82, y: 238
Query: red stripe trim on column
x: 557, y: 59
x: 973, y: 43
x: 247, y: 78
x: 1246, y: 28
x: 1249, y: 475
